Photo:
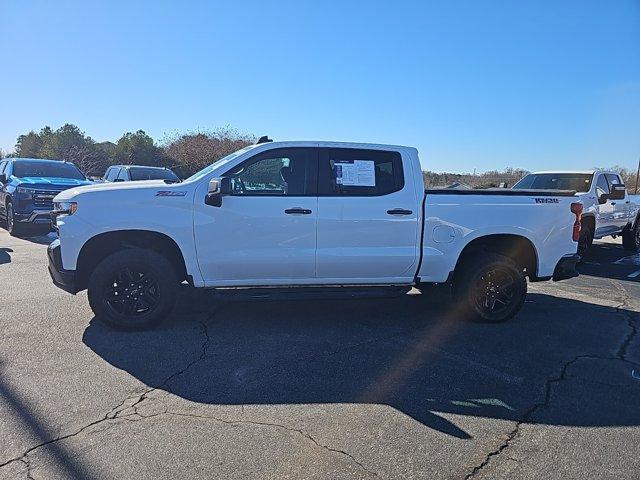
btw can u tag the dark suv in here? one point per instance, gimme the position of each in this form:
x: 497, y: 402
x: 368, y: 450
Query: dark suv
x: 27, y: 188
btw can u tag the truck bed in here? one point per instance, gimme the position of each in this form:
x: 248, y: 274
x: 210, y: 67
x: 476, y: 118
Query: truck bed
x: 501, y: 191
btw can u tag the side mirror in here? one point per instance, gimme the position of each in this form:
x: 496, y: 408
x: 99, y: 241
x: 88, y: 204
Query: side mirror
x: 602, y: 198
x: 618, y: 192
x: 218, y: 187
x: 3, y: 178
x: 118, y: 179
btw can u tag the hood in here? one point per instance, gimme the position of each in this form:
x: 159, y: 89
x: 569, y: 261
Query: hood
x: 115, y: 187
x: 53, y: 181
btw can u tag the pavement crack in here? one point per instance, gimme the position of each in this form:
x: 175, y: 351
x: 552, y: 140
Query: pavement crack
x: 279, y: 426
x: 115, y: 413
x: 621, y: 354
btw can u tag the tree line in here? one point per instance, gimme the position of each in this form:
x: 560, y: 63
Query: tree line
x: 189, y: 152
x: 184, y: 153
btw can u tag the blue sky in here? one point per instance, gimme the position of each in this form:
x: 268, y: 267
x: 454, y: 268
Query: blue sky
x: 472, y: 84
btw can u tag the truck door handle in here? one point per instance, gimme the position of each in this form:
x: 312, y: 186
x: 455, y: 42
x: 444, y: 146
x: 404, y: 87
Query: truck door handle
x: 399, y: 211
x: 613, y: 203
x: 297, y: 211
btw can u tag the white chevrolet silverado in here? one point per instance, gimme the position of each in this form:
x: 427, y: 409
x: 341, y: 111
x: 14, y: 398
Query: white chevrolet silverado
x: 297, y: 215
x: 607, y: 207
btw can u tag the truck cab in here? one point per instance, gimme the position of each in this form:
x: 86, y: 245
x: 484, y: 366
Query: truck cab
x: 27, y: 189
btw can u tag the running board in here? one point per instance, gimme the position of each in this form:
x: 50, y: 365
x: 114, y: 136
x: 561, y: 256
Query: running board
x: 311, y: 293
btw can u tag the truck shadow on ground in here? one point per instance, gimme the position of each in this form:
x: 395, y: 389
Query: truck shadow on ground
x: 410, y: 353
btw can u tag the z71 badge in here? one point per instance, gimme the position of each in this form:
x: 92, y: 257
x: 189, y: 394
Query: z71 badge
x: 170, y: 193
x: 547, y: 200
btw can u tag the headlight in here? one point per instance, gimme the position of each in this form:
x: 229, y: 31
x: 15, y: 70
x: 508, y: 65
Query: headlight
x: 25, y: 191
x: 65, y: 208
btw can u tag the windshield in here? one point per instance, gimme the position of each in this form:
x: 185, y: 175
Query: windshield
x: 580, y: 182
x: 217, y: 163
x: 142, y: 173
x: 47, y: 169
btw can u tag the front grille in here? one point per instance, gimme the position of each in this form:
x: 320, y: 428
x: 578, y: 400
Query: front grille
x: 44, y: 198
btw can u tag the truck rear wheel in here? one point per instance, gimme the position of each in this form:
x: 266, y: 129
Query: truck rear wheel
x: 631, y: 237
x: 132, y: 289
x: 491, y: 288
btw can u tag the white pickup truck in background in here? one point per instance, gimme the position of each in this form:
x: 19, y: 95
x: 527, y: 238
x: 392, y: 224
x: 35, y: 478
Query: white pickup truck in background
x: 607, y: 207
x: 308, y: 214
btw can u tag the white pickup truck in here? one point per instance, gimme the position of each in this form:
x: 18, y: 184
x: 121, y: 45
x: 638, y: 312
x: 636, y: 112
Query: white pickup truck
x: 607, y: 207
x: 308, y: 214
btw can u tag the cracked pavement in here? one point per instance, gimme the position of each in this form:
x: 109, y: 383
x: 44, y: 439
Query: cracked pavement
x: 378, y: 388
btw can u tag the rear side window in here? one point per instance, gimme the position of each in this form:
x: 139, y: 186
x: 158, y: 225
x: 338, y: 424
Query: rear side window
x: 359, y: 172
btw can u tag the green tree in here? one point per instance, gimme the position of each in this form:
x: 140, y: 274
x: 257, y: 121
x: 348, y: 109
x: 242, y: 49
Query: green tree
x: 137, y: 148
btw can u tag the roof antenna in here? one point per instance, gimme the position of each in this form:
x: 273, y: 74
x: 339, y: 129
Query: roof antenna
x: 264, y: 139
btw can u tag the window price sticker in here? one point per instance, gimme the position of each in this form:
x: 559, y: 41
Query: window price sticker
x: 356, y: 173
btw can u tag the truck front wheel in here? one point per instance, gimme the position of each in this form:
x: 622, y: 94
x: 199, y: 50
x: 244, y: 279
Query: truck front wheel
x: 132, y: 289
x: 490, y: 288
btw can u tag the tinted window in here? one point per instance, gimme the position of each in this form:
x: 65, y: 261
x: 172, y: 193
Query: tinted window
x: 601, y: 185
x: 142, y: 173
x: 285, y: 171
x: 2, y: 165
x: 358, y: 172
x: 556, y: 181
x: 46, y: 169
x: 112, y: 173
x: 614, y: 179
x: 122, y: 175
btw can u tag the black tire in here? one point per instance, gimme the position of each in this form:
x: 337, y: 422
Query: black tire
x: 631, y: 238
x: 586, y: 240
x: 144, y: 280
x: 14, y: 229
x: 490, y: 288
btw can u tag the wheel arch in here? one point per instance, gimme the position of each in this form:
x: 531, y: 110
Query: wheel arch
x: 101, y: 245
x: 516, y: 247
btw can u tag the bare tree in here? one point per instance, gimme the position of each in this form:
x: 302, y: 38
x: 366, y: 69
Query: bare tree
x: 190, y: 152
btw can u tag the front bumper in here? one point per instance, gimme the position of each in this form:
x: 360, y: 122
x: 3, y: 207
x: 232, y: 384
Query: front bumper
x: 38, y: 217
x: 566, y: 267
x: 64, y: 279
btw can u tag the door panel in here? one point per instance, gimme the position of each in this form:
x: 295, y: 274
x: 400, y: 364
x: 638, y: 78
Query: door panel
x: 605, y: 219
x: 366, y: 234
x: 265, y: 231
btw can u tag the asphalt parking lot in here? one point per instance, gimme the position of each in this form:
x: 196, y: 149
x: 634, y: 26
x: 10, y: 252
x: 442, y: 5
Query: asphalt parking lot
x: 378, y: 388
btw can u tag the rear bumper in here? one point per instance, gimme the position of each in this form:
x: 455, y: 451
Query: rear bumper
x: 566, y: 267
x: 64, y: 279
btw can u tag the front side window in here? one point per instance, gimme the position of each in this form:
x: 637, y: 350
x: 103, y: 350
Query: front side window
x: 602, y: 186
x: 46, y: 169
x: 123, y: 175
x: 359, y: 172
x: 112, y: 173
x: 278, y: 172
x: 614, y: 179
